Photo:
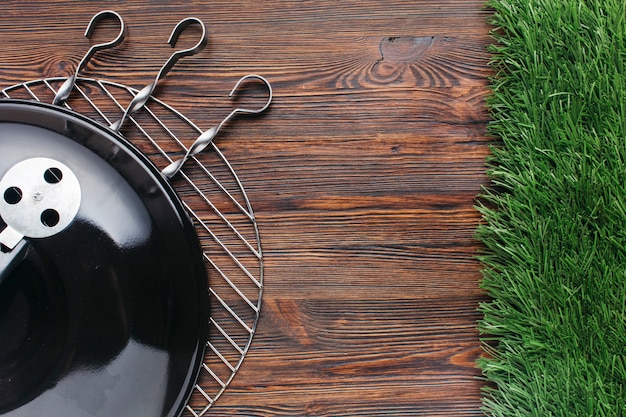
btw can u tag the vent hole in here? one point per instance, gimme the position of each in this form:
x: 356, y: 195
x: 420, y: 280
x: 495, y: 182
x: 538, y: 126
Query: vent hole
x: 50, y: 218
x: 53, y: 175
x: 12, y: 195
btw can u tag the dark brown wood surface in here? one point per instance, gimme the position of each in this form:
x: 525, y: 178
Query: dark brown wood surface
x: 362, y: 175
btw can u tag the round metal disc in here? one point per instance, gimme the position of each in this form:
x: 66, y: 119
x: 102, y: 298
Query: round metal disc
x: 40, y: 197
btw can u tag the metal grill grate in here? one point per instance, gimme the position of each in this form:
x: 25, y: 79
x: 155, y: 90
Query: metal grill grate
x: 218, y: 205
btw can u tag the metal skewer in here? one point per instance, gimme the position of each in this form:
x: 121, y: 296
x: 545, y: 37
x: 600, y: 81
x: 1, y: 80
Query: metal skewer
x: 207, y: 137
x: 66, y: 88
x: 144, y: 94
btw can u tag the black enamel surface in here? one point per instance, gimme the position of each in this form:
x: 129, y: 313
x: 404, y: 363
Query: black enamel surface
x: 109, y: 316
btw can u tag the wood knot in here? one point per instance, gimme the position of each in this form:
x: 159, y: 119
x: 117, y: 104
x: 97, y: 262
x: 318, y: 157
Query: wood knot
x: 406, y: 49
x: 58, y: 67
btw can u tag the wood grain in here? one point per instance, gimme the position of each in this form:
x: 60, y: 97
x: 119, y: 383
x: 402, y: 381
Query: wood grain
x: 362, y: 176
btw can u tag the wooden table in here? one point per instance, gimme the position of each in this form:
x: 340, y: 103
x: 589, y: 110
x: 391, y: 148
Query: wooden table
x: 362, y: 175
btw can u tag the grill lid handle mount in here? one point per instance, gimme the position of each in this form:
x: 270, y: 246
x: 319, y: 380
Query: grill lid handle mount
x: 39, y: 197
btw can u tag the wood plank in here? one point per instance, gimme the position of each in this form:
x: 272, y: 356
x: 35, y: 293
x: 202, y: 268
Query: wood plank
x: 405, y: 367
x: 362, y: 176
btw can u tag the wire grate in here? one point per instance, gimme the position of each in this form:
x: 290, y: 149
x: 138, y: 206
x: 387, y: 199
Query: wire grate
x: 215, y: 200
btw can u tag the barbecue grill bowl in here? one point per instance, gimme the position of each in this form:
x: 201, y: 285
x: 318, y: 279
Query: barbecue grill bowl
x: 109, y: 316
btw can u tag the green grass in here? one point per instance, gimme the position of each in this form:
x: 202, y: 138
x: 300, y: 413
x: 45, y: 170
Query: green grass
x: 554, y: 216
